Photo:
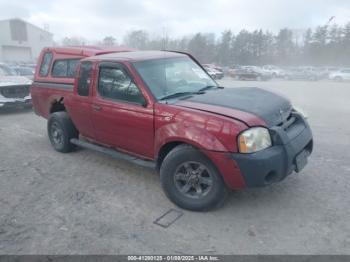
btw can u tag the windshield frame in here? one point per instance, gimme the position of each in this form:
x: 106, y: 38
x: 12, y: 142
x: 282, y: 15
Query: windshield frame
x: 149, y: 89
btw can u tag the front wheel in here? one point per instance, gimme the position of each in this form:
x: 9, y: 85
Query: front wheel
x: 190, y: 180
x: 61, y: 130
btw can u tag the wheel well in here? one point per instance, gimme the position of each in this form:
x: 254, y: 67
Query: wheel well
x: 57, y: 106
x: 165, y: 149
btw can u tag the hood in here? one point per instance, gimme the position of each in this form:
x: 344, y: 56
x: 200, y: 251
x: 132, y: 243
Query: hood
x: 247, y: 104
x: 14, y: 81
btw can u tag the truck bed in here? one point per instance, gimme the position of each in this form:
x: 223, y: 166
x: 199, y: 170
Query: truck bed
x: 44, y: 94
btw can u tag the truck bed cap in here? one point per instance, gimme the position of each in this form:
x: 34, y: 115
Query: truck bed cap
x: 87, y: 50
x: 137, y: 55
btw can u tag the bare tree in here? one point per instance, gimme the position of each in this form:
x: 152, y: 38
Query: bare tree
x: 109, y: 41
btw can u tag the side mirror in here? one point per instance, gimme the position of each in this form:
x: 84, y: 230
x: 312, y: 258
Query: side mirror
x: 143, y: 101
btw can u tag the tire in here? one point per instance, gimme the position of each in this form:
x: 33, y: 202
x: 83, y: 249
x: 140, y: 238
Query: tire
x: 61, y: 130
x: 174, y: 178
x: 338, y: 78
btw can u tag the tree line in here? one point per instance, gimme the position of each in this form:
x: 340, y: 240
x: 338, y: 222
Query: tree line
x: 322, y: 46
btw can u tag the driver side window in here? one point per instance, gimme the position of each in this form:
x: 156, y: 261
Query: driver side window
x: 115, y: 83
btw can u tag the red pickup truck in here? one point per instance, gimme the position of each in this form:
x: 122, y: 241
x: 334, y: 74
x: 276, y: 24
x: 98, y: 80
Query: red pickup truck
x: 162, y: 110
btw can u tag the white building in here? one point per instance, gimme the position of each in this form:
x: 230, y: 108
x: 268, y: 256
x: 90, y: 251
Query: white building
x: 21, y: 41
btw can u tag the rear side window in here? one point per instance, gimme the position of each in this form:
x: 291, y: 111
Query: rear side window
x: 84, y: 78
x: 65, y: 68
x: 45, y: 64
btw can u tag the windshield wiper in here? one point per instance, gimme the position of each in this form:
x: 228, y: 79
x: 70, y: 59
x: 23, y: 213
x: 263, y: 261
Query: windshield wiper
x: 200, y: 91
x: 208, y: 87
x: 174, y: 95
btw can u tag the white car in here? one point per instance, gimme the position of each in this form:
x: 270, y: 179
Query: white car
x: 275, y: 71
x: 343, y: 74
x: 215, y: 74
x: 14, y: 89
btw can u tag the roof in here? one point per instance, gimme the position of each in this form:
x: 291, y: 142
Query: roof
x: 37, y: 27
x: 138, y: 55
x: 87, y: 50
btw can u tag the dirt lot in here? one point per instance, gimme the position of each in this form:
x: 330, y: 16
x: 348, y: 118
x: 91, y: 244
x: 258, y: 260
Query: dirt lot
x: 87, y: 203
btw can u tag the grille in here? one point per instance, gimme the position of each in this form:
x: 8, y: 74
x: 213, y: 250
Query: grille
x: 288, y: 122
x: 15, y: 91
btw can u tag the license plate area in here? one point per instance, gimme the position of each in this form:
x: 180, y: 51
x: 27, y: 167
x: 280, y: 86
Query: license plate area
x: 301, y: 160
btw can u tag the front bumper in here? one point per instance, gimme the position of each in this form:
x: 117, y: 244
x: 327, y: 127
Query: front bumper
x: 277, y: 162
x: 15, y: 102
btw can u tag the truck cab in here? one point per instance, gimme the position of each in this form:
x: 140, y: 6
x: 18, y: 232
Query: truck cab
x: 163, y: 110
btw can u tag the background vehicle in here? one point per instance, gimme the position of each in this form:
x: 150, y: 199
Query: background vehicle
x: 213, y: 73
x: 302, y: 73
x: 6, y: 70
x: 216, y: 71
x: 343, y: 74
x: 162, y: 110
x: 14, y: 89
x: 275, y: 71
x: 250, y: 73
x: 24, y: 71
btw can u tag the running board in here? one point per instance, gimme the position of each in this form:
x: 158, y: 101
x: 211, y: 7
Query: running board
x: 114, y: 153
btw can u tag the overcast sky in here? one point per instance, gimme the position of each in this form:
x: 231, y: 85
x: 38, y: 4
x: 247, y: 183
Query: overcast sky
x: 95, y: 19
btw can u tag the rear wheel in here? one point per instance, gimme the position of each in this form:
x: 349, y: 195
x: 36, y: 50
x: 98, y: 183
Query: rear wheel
x: 190, y: 180
x: 61, y: 130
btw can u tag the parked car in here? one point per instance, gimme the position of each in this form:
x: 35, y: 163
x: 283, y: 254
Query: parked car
x: 14, y: 89
x: 214, y: 71
x: 343, y: 74
x: 218, y: 69
x: 161, y: 109
x: 24, y: 71
x: 275, y: 71
x: 250, y: 73
x: 302, y: 73
x: 325, y: 71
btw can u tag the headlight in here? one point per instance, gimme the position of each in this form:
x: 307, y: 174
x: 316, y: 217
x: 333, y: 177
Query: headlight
x: 254, y: 139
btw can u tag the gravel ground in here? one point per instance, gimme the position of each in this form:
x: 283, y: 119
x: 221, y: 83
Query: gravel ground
x: 88, y: 203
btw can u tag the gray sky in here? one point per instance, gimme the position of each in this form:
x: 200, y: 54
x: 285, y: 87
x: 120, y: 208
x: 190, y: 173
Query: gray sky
x: 94, y: 19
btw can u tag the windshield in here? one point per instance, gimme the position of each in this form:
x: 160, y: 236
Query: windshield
x: 25, y: 71
x: 6, y: 71
x: 169, y: 76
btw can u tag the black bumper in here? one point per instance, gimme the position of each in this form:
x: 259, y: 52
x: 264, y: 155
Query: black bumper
x: 277, y: 162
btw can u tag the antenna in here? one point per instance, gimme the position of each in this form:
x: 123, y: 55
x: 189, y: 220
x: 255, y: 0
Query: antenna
x: 165, y: 38
x: 164, y: 47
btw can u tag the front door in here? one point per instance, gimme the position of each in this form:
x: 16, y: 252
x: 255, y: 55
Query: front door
x: 120, y: 115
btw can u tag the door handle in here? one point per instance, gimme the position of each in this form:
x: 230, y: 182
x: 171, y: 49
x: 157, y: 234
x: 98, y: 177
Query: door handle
x: 97, y: 108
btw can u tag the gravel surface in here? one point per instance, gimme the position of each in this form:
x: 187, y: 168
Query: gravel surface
x: 88, y: 203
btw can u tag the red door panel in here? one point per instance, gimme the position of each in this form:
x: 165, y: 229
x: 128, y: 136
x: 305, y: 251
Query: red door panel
x: 120, y: 115
x: 125, y: 126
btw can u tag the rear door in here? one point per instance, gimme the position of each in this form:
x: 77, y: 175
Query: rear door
x: 82, y: 100
x: 120, y: 115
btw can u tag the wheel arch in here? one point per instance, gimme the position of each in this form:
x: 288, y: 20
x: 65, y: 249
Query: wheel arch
x: 57, y: 105
x: 168, y: 146
x: 164, y: 150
